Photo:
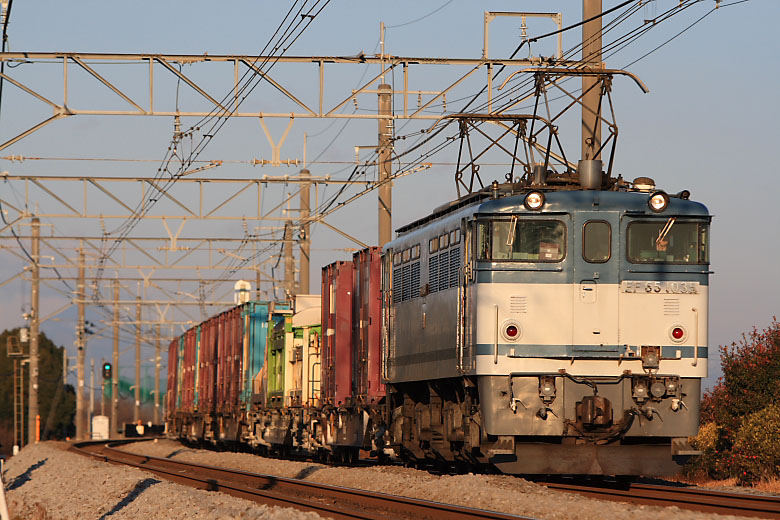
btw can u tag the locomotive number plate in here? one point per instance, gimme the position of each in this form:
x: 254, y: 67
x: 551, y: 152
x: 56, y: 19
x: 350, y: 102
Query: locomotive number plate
x: 635, y: 286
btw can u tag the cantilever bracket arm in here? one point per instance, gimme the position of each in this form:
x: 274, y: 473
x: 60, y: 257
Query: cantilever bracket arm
x: 580, y: 72
x: 489, y: 117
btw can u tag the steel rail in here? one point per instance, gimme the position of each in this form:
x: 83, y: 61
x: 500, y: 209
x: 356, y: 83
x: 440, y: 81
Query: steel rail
x: 695, y: 499
x: 330, y: 501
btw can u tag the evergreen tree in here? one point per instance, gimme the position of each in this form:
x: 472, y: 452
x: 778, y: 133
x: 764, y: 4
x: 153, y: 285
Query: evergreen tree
x: 49, y: 379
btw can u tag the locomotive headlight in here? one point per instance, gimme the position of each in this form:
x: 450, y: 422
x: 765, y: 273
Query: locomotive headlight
x: 658, y: 389
x: 640, y: 391
x: 658, y: 201
x: 511, y: 330
x: 534, y: 200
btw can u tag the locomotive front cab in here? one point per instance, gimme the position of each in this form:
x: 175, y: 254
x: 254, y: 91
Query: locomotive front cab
x: 590, y: 331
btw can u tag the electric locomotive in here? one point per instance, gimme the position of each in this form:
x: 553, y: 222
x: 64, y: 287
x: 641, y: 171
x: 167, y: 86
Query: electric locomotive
x: 552, y: 326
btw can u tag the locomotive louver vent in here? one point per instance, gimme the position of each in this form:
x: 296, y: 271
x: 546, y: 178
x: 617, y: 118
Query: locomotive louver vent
x: 433, y: 273
x: 518, y: 304
x: 454, y: 265
x: 414, y: 290
x: 671, y: 307
x: 397, y: 285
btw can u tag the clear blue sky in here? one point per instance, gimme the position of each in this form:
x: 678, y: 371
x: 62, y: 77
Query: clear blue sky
x: 708, y: 125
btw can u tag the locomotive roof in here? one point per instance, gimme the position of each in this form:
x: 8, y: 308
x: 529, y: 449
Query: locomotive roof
x: 630, y: 202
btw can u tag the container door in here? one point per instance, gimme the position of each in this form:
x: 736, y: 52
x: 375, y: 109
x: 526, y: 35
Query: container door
x: 595, y: 287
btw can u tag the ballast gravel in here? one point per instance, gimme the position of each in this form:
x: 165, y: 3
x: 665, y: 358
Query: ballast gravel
x: 45, y: 482
x: 504, y: 493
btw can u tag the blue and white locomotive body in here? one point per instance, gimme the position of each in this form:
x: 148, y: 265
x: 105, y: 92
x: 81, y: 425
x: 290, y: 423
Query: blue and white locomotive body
x: 557, y: 331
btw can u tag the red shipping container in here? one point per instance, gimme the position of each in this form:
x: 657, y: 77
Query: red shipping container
x: 234, y: 353
x: 337, y: 283
x: 367, y: 325
x: 221, y: 363
x: 190, y: 353
x: 173, y: 363
x: 208, y: 366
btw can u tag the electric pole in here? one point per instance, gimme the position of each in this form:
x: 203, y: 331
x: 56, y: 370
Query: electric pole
x: 385, y: 164
x: 137, y: 409
x: 115, y: 375
x: 91, y: 396
x: 591, y: 100
x: 157, y: 377
x: 303, y: 276
x: 289, y: 262
x: 32, y: 404
x: 81, y: 411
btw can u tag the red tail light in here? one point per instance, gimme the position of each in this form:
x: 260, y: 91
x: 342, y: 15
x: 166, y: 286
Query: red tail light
x: 511, y: 331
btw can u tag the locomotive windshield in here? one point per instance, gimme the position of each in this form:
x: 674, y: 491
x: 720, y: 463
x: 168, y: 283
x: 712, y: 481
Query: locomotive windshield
x: 669, y: 241
x: 520, y: 240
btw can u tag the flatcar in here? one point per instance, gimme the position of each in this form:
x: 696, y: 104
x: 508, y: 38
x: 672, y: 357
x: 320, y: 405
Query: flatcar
x: 537, y: 327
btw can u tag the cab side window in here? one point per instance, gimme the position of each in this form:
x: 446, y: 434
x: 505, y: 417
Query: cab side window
x: 596, y: 241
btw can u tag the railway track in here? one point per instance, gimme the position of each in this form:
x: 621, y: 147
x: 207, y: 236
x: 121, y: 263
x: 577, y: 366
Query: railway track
x: 708, y: 501
x: 328, y: 501
x: 346, y: 503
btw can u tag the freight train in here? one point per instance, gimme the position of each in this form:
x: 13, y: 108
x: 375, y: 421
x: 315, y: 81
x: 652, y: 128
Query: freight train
x: 556, y: 325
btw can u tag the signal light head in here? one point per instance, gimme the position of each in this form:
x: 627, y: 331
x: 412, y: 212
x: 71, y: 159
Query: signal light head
x: 106, y: 370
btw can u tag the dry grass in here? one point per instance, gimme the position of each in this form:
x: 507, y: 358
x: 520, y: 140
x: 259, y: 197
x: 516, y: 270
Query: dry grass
x: 767, y: 486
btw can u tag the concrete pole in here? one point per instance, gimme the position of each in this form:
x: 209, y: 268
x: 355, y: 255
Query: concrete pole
x: 32, y: 403
x: 303, y: 276
x: 102, y: 390
x: 137, y: 409
x: 591, y: 56
x: 385, y: 164
x: 289, y: 261
x: 115, y: 368
x: 91, y: 396
x: 157, y: 377
x: 81, y: 416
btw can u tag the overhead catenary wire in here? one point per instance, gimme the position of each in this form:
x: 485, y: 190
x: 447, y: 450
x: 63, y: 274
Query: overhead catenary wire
x: 216, y: 119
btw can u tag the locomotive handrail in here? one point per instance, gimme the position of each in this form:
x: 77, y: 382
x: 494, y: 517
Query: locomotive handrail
x: 495, y: 338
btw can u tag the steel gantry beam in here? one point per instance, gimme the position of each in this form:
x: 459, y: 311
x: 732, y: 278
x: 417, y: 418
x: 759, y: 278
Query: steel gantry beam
x: 151, y: 67
x: 118, y: 197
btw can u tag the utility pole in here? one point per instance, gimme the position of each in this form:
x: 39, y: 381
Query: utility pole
x: 385, y: 165
x: 115, y: 372
x: 305, y: 239
x: 137, y: 409
x: 81, y: 415
x: 157, y: 377
x: 289, y: 262
x: 91, y: 396
x: 591, y: 101
x: 102, y: 391
x: 32, y: 404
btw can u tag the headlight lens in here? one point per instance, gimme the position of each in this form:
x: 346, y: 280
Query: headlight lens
x: 534, y: 200
x: 658, y: 201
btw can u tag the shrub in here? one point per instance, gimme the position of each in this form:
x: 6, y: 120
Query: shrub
x: 751, y: 370
x: 756, y: 450
x: 707, y: 465
x: 740, y: 424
